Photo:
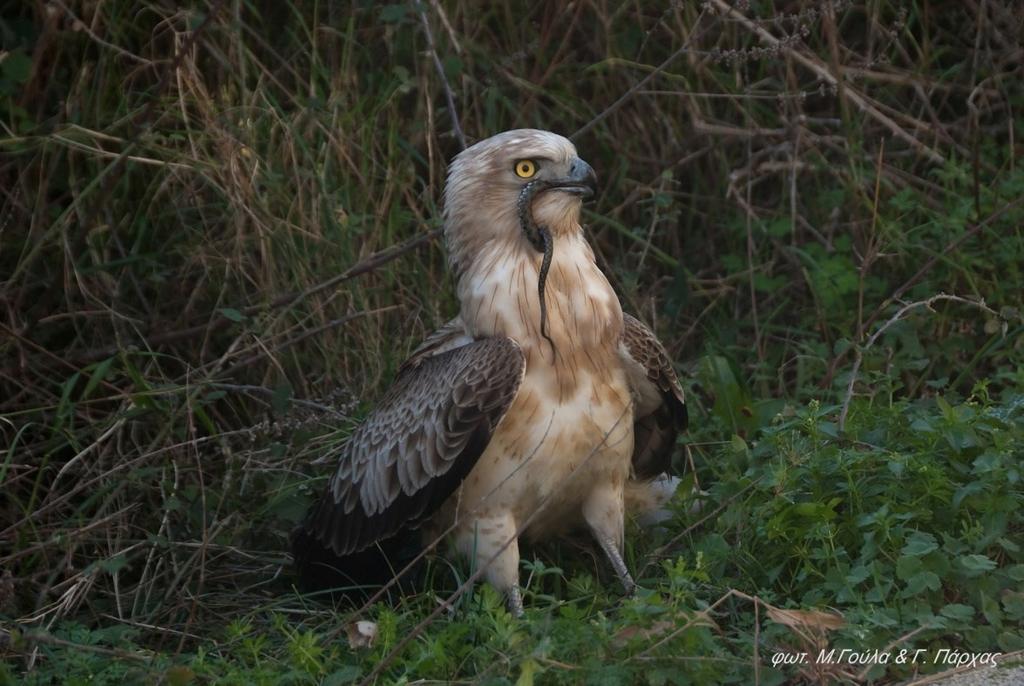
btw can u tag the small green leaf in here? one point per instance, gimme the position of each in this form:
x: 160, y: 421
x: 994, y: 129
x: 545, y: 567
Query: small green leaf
x: 907, y: 567
x: 232, y: 314
x: 877, y: 594
x: 1008, y: 545
x: 922, y: 581
x: 958, y: 612
x: 966, y: 490
x: 114, y: 564
x: 990, y: 609
x: 1013, y: 603
x: 841, y: 346
x: 976, y: 565
x: 1015, y: 572
x: 65, y: 405
x: 946, y: 408
x: 99, y: 372
x: 857, y: 575
x: 1011, y: 641
x: 922, y: 425
x: 204, y: 418
x: 16, y: 66
x: 829, y: 429
x: 345, y: 675
x: 920, y: 543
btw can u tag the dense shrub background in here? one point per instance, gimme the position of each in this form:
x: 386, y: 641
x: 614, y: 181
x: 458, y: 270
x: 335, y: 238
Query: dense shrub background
x: 218, y: 241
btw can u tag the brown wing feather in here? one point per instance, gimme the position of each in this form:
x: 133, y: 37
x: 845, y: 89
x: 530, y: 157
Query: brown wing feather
x: 450, y: 336
x: 417, y: 445
x: 660, y: 407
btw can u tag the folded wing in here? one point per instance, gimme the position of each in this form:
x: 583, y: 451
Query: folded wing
x: 417, y: 445
x: 660, y: 409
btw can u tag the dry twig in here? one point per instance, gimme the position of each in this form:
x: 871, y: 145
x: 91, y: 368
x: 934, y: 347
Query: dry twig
x: 900, y: 314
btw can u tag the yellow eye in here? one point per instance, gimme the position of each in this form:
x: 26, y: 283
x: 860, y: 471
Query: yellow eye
x: 525, y: 169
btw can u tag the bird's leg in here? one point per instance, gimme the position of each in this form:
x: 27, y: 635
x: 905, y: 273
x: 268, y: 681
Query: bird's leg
x: 618, y: 564
x: 515, y: 601
x: 605, y: 515
x: 492, y: 544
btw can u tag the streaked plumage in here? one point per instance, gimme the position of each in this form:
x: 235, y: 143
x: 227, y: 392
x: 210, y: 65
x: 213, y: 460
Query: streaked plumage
x: 489, y: 430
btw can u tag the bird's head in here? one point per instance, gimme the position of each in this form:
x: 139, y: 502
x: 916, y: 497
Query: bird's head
x: 484, y: 194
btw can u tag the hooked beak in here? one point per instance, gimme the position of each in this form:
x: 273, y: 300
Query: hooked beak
x: 581, y: 181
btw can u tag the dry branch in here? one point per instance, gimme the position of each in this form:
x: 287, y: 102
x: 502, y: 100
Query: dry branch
x: 822, y: 71
x: 900, y: 313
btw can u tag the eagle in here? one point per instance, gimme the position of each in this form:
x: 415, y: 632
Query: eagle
x: 541, y: 409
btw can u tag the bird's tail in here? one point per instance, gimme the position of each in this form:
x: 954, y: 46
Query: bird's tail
x: 358, y: 575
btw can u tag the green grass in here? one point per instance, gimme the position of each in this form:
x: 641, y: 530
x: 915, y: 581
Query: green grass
x: 180, y: 341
